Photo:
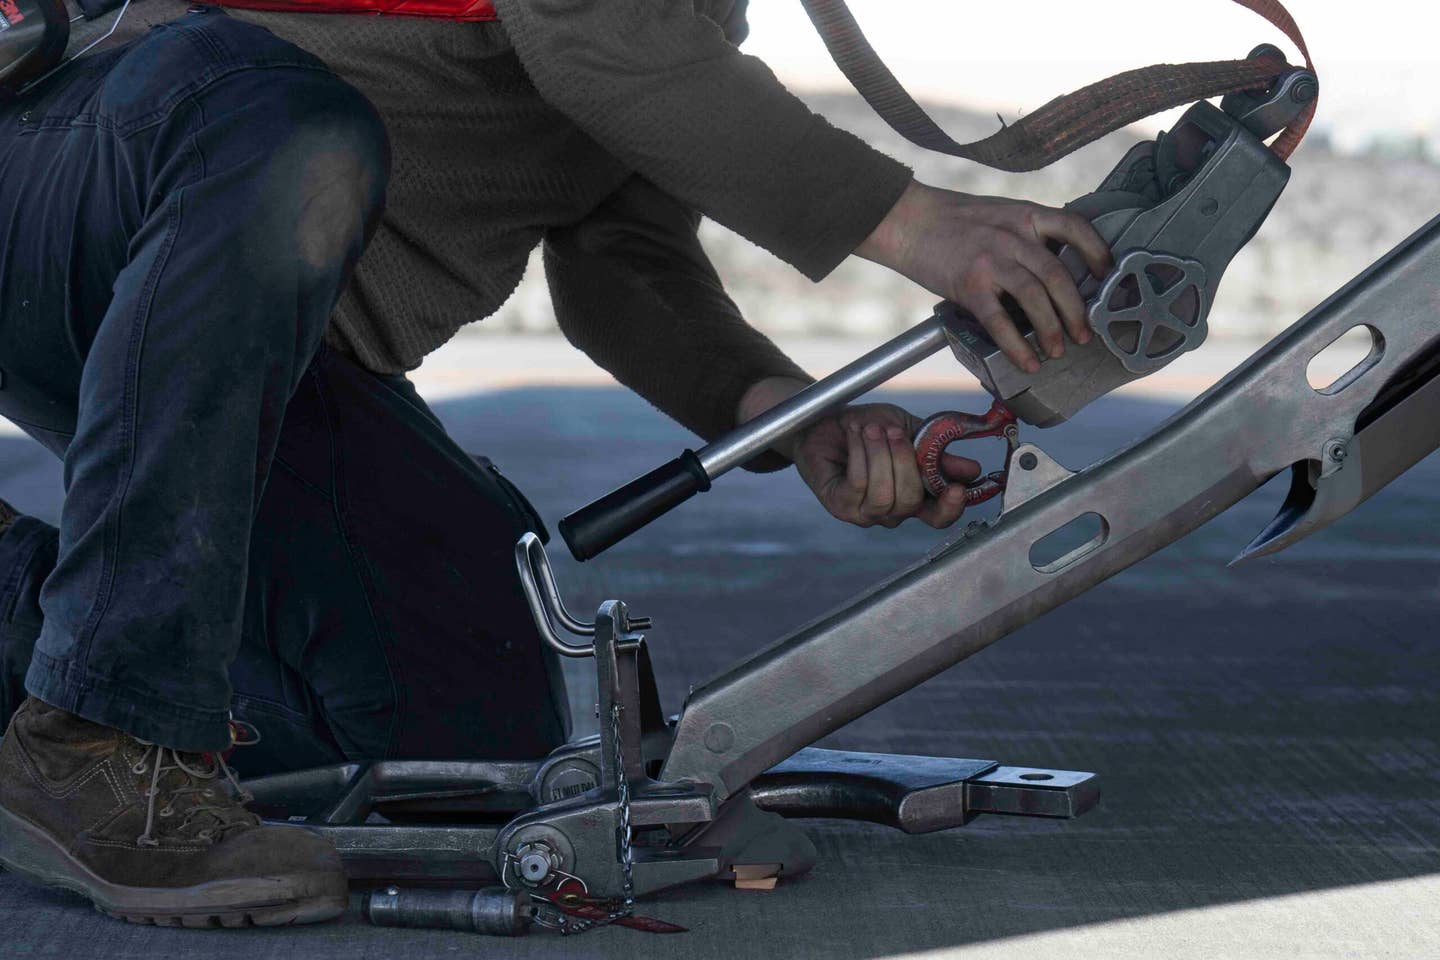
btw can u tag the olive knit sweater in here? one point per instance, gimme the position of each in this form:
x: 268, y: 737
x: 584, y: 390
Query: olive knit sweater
x: 603, y: 130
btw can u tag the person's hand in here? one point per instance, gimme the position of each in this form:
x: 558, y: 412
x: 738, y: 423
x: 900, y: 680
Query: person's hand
x: 862, y: 468
x: 975, y: 250
x: 861, y: 463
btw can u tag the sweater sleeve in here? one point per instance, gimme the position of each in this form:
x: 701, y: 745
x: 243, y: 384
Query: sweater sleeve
x: 662, y: 88
x: 632, y: 287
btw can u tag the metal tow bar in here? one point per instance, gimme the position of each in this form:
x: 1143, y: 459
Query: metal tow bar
x: 1339, y: 444
x: 705, y: 794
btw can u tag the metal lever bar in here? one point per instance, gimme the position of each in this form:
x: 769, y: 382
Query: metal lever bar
x: 824, y: 396
x: 595, y: 528
x: 539, y: 562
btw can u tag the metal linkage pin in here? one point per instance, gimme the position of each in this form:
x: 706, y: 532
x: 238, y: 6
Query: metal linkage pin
x: 493, y: 910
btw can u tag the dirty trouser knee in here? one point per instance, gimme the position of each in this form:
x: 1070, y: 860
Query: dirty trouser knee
x: 383, y: 615
x: 183, y: 213
x: 27, y: 555
x: 386, y: 616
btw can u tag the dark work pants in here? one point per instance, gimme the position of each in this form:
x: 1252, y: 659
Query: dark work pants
x: 250, y: 522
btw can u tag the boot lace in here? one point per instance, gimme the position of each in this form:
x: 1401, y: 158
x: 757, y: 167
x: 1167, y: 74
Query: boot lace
x: 219, y: 811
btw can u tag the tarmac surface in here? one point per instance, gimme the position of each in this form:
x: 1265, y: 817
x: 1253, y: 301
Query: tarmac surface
x: 1268, y: 736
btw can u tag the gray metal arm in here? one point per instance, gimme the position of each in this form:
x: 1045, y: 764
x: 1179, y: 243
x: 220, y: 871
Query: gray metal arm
x: 1262, y: 419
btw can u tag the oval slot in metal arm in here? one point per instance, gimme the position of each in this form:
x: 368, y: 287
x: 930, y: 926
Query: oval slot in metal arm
x: 1070, y: 543
x: 1348, y: 358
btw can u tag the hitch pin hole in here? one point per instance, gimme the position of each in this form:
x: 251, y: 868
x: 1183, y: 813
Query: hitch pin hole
x: 1075, y: 540
x: 1348, y: 358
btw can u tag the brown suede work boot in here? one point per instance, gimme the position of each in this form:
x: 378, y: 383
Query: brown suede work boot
x: 149, y: 834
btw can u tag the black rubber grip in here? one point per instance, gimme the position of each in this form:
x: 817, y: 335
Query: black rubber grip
x: 592, y: 530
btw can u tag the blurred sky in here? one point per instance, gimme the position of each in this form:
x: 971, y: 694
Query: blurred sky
x: 1377, y: 60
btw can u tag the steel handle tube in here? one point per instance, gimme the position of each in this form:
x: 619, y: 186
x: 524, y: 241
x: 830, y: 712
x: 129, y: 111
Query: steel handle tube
x: 605, y: 522
x: 875, y: 368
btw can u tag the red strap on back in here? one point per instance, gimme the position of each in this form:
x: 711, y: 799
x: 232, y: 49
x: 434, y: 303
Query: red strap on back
x: 1066, y: 123
x: 1055, y: 130
x: 1275, y: 12
x: 466, y: 10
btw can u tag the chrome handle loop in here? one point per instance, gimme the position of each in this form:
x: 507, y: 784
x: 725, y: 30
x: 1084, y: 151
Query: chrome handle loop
x: 542, y: 593
x: 537, y: 580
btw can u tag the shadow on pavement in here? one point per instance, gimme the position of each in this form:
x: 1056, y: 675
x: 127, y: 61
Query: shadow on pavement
x: 1262, y: 731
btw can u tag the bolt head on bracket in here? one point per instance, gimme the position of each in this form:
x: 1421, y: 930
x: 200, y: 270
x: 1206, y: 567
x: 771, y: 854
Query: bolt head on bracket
x: 533, y: 854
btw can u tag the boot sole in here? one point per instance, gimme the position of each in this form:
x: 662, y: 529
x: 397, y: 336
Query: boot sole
x: 30, y: 852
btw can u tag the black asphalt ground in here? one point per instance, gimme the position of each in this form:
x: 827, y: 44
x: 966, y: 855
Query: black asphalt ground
x: 1269, y: 736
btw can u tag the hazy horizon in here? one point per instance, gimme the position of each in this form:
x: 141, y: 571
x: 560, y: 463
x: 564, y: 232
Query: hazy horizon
x: 1012, y: 58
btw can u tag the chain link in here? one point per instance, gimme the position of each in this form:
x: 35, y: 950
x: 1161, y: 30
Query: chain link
x: 627, y: 853
x: 625, y: 907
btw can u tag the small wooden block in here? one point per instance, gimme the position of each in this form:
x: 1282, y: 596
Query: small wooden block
x: 756, y: 876
x: 755, y: 871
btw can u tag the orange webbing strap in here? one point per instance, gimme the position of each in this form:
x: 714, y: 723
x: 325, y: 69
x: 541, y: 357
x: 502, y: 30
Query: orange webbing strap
x: 1275, y: 12
x: 1066, y: 123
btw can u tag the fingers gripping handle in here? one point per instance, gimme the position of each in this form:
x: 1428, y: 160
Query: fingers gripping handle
x: 943, y: 429
x: 593, y: 529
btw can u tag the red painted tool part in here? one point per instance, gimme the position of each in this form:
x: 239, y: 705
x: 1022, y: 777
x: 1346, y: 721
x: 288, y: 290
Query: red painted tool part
x: 943, y: 429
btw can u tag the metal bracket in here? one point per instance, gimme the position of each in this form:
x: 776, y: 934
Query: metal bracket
x: 918, y: 794
x: 617, y: 673
x: 1268, y: 112
x: 1032, y: 472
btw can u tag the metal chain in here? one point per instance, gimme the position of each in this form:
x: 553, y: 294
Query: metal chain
x: 627, y: 854
x: 569, y: 926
